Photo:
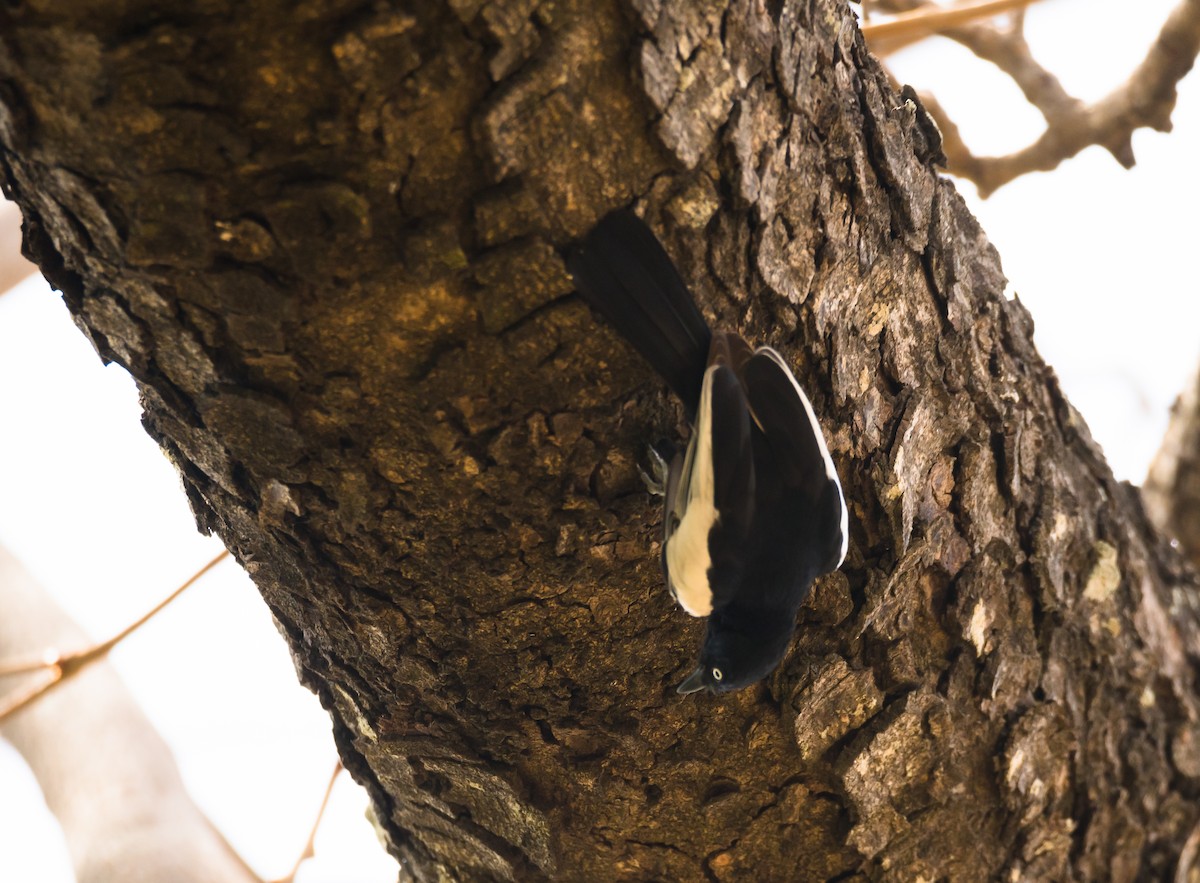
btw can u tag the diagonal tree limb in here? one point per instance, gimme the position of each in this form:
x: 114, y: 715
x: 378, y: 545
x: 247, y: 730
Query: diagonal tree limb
x: 64, y: 666
x: 105, y: 772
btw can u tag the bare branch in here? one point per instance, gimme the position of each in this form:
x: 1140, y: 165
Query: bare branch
x: 921, y: 21
x: 308, y: 851
x: 106, y: 774
x: 64, y: 666
x: 1146, y: 99
x: 1009, y: 51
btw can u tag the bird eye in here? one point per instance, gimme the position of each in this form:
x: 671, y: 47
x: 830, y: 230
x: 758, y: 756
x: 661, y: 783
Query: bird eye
x: 717, y: 674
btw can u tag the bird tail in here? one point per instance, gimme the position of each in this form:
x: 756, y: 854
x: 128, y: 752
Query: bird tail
x: 621, y: 270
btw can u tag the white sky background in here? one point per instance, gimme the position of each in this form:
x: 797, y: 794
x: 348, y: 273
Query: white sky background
x: 1102, y: 257
x: 95, y: 511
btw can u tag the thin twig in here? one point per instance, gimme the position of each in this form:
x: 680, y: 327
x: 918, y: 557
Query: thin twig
x: 309, y: 851
x: 26, y: 666
x: 154, y: 611
x: 67, y: 665
x: 925, y: 21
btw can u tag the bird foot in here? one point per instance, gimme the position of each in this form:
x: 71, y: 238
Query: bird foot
x: 655, y: 480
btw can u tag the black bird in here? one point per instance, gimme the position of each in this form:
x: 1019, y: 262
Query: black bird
x: 753, y: 508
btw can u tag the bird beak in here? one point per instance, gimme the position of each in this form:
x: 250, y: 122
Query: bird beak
x: 693, y: 684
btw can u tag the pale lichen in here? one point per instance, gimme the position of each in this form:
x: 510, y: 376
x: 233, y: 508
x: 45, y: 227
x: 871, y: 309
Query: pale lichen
x: 1105, y: 575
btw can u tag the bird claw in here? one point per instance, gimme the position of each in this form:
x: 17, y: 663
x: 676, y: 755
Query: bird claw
x: 655, y: 480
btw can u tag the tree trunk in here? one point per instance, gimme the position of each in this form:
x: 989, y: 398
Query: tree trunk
x: 324, y: 237
x: 1172, y: 488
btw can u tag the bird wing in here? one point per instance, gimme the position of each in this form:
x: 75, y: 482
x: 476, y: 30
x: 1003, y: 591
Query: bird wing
x: 710, y: 505
x: 786, y: 418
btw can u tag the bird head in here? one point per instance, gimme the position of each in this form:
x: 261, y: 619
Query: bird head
x: 737, y: 654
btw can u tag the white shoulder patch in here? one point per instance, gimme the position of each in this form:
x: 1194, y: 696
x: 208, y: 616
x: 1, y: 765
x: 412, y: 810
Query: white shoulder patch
x: 830, y: 469
x: 688, y: 560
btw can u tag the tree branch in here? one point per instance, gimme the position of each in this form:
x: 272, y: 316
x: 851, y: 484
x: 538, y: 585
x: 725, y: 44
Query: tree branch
x: 105, y: 773
x: 921, y: 20
x: 61, y: 667
x: 1146, y: 99
x: 308, y: 850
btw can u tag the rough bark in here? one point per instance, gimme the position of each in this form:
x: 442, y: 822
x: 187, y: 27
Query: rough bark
x: 1172, y: 488
x: 325, y: 239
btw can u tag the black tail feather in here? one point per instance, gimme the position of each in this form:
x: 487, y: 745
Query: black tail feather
x: 623, y: 272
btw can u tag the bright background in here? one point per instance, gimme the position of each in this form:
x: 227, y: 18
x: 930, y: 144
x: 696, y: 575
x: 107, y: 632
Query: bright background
x: 1102, y: 257
x: 95, y: 511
